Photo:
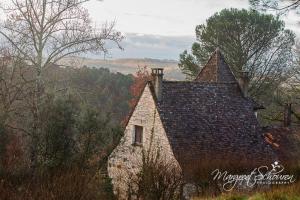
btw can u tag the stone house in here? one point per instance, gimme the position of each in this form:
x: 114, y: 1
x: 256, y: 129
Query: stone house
x: 210, y: 117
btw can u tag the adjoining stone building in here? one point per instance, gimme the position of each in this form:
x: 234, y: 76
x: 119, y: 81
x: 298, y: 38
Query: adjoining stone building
x: 211, y: 117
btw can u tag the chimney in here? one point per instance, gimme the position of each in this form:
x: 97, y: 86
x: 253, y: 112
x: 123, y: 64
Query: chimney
x: 287, y: 115
x: 157, y: 76
x: 244, y: 82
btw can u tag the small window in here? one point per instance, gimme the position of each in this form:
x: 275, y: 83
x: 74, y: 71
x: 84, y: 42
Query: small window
x: 138, y: 135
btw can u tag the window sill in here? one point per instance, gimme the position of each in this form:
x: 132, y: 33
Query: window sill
x: 137, y: 144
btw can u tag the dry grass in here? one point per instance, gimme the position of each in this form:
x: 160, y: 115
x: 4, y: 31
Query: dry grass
x: 280, y: 192
x: 291, y: 192
x: 199, y: 172
x: 66, y: 184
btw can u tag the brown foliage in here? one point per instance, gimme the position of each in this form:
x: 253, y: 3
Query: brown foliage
x: 14, y: 159
x: 158, y: 179
x: 199, y: 172
x: 140, y: 79
x: 65, y: 184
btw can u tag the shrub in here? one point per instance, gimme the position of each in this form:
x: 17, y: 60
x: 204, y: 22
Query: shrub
x: 68, y: 184
x: 158, y: 179
x: 56, y: 147
x: 3, y: 143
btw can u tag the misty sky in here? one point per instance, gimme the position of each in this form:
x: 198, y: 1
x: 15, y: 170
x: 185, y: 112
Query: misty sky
x: 160, y: 29
x: 159, y: 17
x: 156, y: 28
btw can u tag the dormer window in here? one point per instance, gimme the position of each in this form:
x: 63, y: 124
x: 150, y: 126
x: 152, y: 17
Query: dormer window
x: 138, y: 135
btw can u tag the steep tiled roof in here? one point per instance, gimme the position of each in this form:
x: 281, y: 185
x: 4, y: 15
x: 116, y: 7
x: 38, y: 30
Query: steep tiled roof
x: 216, y: 70
x: 210, y: 119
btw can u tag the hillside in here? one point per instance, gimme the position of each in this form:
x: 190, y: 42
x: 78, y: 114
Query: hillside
x: 128, y: 66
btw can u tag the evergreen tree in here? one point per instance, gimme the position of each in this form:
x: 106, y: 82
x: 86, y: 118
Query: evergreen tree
x: 249, y: 40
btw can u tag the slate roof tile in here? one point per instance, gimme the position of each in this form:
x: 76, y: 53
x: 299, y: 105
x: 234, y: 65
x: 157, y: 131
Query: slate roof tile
x: 210, y: 116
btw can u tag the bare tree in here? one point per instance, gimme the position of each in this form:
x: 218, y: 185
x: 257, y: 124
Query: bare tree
x: 281, y: 6
x: 288, y: 92
x: 43, y: 32
x: 14, y: 84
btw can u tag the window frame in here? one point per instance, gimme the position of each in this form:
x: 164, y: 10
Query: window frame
x: 138, y: 129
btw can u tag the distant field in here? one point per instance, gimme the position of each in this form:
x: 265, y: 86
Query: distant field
x: 128, y: 66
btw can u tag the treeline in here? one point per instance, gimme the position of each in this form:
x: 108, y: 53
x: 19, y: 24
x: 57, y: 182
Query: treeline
x: 80, y: 116
x: 79, y: 124
x: 53, y: 117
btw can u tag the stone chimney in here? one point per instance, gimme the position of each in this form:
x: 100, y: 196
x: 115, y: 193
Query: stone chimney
x: 287, y: 115
x: 244, y: 82
x: 157, y: 76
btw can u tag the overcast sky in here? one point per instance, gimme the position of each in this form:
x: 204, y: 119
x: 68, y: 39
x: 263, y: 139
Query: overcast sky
x: 157, y: 28
x: 160, y: 28
x: 159, y: 17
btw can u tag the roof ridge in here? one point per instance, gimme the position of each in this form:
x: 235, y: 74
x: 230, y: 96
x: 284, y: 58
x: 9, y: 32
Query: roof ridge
x: 203, y: 83
x: 236, y: 80
x: 218, y: 56
x: 202, y: 69
x: 216, y: 69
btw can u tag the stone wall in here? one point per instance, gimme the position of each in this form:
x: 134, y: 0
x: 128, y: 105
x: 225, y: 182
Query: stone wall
x: 126, y: 159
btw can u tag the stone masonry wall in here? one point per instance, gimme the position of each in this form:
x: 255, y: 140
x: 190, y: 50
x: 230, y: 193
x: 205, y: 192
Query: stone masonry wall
x: 126, y: 159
